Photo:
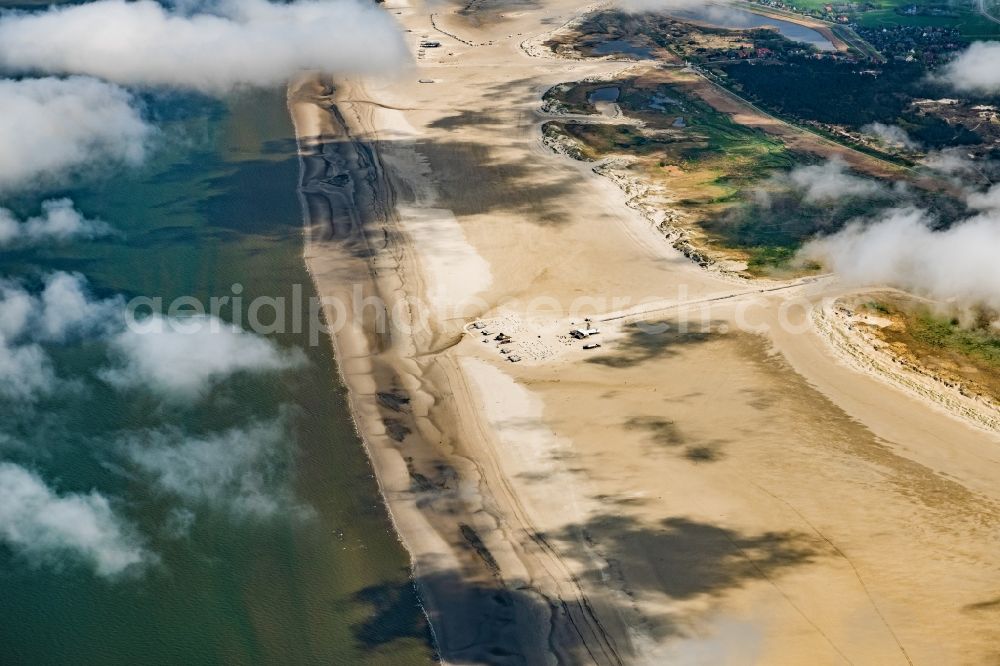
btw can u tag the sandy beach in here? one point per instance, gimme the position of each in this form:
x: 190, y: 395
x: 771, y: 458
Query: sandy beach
x: 713, y: 485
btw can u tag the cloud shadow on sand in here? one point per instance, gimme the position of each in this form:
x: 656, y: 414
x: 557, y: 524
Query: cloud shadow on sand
x: 646, y: 341
x: 492, y: 621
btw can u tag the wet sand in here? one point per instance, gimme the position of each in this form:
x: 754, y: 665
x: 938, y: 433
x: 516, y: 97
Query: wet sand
x: 698, y: 495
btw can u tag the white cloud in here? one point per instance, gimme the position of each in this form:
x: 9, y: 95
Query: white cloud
x: 47, y: 528
x: 184, y: 358
x: 25, y: 371
x: 891, y: 135
x: 902, y: 250
x: 66, y: 308
x: 62, y: 309
x: 222, y: 45
x: 831, y: 181
x: 17, y: 307
x: 951, y: 162
x: 59, y: 221
x: 180, y: 359
x: 50, y: 126
x: 242, y: 470
x: 975, y: 69
x: 987, y: 201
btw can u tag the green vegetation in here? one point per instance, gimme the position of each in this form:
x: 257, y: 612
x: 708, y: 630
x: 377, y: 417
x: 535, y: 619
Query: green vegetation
x: 979, y: 342
x: 828, y: 91
x: 967, y: 353
x: 776, y: 218
x: 730, y: 178
x: 832, y: 92
x: 767, y: 258
x: 652, y: 30
x: 880, y: 308
x: 599, y: 141
x: 838, y: 94
x: 707, y: 138
x: 971, y: 25
x: 572, y: 97
x: 774, y: 222
x: 969, y: 22
x: 701, y: 139
x: 808, y: 5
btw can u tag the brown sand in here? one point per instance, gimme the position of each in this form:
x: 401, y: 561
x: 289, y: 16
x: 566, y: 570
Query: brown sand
x: 704, y: 497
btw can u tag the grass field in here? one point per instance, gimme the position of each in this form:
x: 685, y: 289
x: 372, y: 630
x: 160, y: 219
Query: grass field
x: 971, y: 25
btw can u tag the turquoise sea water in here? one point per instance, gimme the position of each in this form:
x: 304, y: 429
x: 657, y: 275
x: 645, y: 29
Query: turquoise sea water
x: 324, y: 581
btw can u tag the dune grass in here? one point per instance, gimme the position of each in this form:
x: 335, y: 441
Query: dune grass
x: 978, y: 342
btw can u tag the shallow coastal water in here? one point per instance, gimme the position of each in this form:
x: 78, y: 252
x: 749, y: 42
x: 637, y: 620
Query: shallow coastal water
x: 323, y: 580
x: 739, y: 19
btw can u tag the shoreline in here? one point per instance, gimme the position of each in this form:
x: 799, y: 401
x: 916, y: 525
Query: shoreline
x: 458, y: 586
x: 385, y: 465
